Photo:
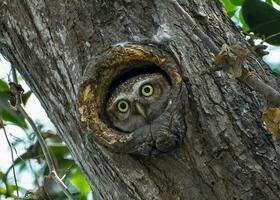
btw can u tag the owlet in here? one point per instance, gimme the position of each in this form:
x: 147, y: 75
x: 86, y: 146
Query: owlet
x: 138, y: 101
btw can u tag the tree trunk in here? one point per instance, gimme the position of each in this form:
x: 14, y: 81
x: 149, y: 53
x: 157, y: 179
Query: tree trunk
x: 225, y: 154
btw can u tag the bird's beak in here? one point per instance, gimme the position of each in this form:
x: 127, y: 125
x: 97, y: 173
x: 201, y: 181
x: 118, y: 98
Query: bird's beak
x: 141, y: 110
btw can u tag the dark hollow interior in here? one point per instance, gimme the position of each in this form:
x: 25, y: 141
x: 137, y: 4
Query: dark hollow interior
x: 138, y: 68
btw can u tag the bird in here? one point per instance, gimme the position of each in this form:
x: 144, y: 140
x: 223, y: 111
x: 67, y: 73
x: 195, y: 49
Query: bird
x: 138, y: 101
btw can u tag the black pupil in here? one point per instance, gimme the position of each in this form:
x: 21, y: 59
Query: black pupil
x: 147, y: 89
x: 123, y: 106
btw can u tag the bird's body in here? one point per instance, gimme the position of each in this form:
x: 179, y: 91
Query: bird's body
x: 138, y: 101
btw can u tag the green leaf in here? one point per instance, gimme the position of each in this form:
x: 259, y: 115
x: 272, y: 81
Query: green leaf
x: 263, y: 20
x: 65, y: 164
x: 2, y: 191
x: 229, y: 7
x: 22, y: 167
x: 59, y: 149
x: 277, y: 1
x: 269, y: 2
x: 78, y: 179
x: 237, y: 2
x: 8, y: 114
x: 12, y: 188
x: 3, y: 86
x: 232, y: 13
x: 1, y: 174
x: 276, y: 69
x: 14, y: 117
x: 244, y: 24
x: 81, y: 197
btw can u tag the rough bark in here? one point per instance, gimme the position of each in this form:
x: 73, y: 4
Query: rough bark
x: 226, y: 153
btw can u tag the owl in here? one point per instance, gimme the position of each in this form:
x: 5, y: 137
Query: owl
x: 138, y: 101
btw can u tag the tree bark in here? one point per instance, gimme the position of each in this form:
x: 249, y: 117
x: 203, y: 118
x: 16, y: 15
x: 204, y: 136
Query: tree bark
x: 226, y: 152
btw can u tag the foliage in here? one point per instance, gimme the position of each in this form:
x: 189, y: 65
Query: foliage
x: 7, y: 113
x: 32, y: 160
x: 260, y: 17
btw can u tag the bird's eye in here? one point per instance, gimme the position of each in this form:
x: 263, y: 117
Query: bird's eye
x: 147, y: 90
x: 123, y: 106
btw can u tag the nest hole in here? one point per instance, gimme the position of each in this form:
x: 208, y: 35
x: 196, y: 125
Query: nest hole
x: 143, y: 68
x: 134, y: 69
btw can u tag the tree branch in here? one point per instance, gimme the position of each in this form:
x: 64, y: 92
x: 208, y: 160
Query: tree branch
x: 41, y: 140
x: 272, y: 95
x: 13, y: 159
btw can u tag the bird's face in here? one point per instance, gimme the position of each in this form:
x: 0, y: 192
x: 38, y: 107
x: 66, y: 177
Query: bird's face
x: 138, y: 101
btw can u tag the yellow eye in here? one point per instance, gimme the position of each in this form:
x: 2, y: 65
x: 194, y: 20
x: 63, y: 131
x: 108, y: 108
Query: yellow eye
x: 123, y: 106
x: 147, y: 90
